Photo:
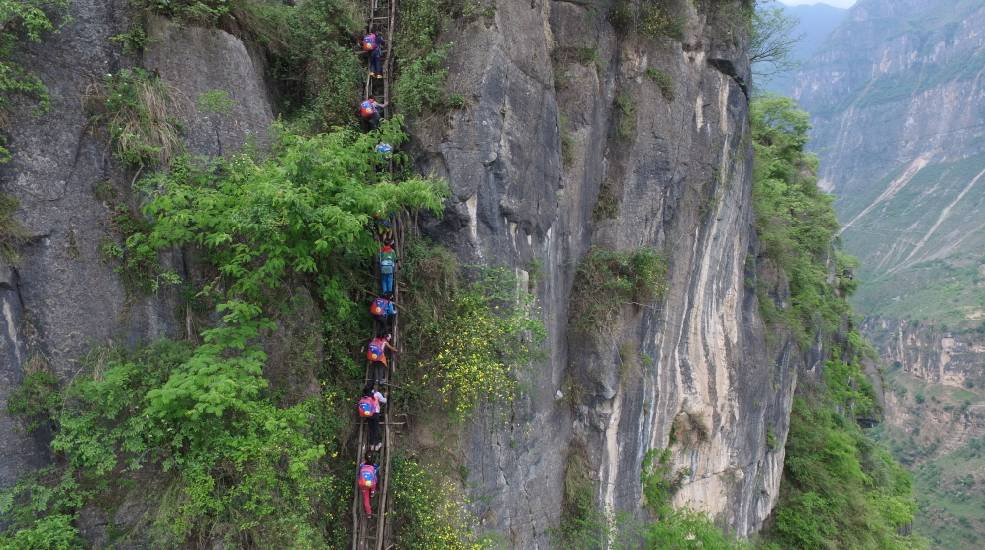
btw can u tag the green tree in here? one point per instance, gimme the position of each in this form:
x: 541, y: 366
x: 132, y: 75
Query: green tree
x: 772, y: 40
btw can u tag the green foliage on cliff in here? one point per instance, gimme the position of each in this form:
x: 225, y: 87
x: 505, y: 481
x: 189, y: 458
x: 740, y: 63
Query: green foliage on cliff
x: 12, y: 232
x: 840, y: 489
x: 467, y: 331
x: 648, y: 19
x: 606, y: 280
x: 428, y: 515
x: 795, y: 222
x: 256, y: 477
x: 237, y: 465
x: 421, y: 57
x: 141, y: 112
x: 309, y: 49
x: 681, y: 529
x: 22, y: 20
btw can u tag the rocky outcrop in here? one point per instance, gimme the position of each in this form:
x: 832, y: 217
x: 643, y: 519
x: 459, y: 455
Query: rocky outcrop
x: 566, y: 143
x: 930, y: 353
x: 63, y: 296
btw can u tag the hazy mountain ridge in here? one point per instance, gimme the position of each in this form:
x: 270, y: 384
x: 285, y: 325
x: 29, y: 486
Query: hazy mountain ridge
x: 814, y: 24
x: 897, y: 100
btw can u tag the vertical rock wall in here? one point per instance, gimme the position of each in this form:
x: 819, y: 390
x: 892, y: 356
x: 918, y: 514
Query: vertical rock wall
x: 537, y: 148
x: 530, y: 158
x: 63, y: 296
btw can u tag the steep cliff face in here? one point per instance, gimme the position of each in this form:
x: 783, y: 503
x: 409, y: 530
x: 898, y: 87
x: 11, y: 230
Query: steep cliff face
x: 573, y: 137
x: 945, y: 370
x: 897, y: 98
x: 935, y: 422
x: 63, y: 297
x: 540, y: 174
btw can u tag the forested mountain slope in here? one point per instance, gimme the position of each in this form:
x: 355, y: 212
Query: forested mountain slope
x: 897, y: 98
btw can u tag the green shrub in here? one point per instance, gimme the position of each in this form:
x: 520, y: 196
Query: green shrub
x: 420, y: 56
x: 659, y: 481
x: 37, y: 399
x: 420, y: 85
x: 54, y: 532
x: 841, y: 490
x: 606, y: 280
x: 607, y: 204
x: 656, y: 22
x: 133, y: 41
x: 795, y: 221
x: 648, y: 19
x: 467, y: 331
x: 428, y: 513
x: 141, y: 113
x: 622, y: 16
x: 664, y: 82
x: 567, y: 141
x: 136, y: 260
x: 196, y: 11
x: 239, y: 467
x: 583, y: 525
x: 216, y: 102
x: 625, y: 114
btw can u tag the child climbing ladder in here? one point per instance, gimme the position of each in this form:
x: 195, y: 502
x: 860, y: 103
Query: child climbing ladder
x: 371, y: 504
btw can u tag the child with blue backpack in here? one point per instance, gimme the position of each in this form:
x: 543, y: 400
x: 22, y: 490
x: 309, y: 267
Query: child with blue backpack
x: 383, y: 311
x: 388, y: 267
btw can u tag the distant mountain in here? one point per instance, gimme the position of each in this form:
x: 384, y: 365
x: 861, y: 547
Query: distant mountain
x: 816, y: 22
x: 897, y: 100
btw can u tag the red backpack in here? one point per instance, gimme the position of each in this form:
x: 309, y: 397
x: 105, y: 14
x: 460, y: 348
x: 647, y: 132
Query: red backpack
x: 367, y: 407
x: 367, y: 108
x: 367, y: 477
x: 375, y: 351
x: 378, y: 307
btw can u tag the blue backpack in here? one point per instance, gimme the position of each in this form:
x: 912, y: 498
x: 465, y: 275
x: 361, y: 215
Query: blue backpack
x: 369, y: 42
x: 386, y: 264
x: 367, y: 477
x: 375, y: 352
x: 367, y: 407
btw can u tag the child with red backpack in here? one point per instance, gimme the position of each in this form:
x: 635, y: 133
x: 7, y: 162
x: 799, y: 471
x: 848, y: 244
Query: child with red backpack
x: 373, y: 44
x: 366, y: 479
x: 383, y: 311
x: 371, y: 112
x: 376, y: 352
x: 369, y: 408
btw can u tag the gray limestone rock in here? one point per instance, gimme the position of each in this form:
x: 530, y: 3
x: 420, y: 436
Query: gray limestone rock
x: 64, y: 297
x: 679, y: 183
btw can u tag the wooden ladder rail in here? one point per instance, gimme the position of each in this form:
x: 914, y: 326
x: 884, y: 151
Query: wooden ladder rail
x: 363, y: 539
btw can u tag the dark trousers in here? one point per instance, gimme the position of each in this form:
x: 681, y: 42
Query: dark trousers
x: 373, y: 423
x: 376, y: 60
x: 379, y: 371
